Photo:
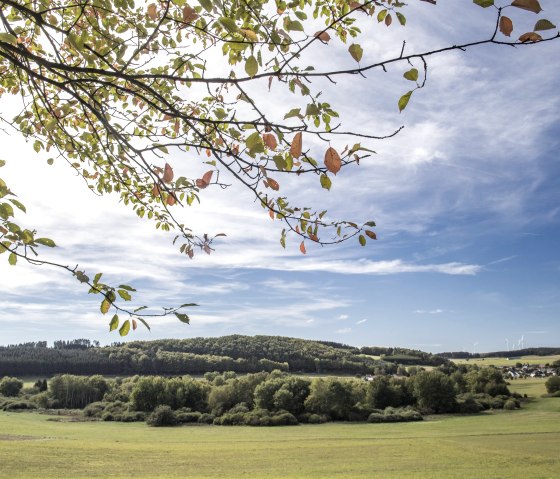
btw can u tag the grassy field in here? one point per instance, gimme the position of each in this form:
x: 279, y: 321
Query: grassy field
x: 509, y: 362
x: 514, y: 444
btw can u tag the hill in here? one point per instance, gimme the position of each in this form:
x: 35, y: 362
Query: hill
x: 237, y: 353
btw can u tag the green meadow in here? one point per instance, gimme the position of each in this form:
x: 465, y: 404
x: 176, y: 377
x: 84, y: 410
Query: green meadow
x: 494, y: 361
x: 505, y: 444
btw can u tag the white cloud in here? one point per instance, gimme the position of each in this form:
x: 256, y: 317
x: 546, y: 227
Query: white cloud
x: 361, y: 321
x: 343, y: 330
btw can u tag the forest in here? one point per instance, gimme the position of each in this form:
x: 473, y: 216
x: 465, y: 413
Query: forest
x: 237, y: 353
x: 266, y: 398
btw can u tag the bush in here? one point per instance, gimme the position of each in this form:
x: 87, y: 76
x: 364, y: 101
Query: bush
x: 206, y: 418
x: 391, y: 414
x: 511, y: 404
x: 10, y: 386
x: 15, y: 405
x: 284, y: 419
x: 161, y: 417
x: 187, y: 417
x: 318, y: 418
x: 552, y: 384
x: 467, y: 404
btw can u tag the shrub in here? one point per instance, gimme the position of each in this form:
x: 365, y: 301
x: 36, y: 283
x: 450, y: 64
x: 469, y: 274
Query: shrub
x: 284, y: 419
x: 318, y: 418
x: 10, y: 386
x: 466, y: 404
x: 187, y: 417
x: 552, y: 384
x: 162, y: 416
x: 511, y: 404
x: 206, y: 418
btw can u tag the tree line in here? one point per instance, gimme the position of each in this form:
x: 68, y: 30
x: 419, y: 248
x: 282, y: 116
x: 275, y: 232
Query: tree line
x: 242, y: 354
x: 269, y: 398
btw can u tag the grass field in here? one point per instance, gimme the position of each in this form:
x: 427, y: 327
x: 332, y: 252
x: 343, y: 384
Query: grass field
x: 514, y: 444
x: 509, y: 362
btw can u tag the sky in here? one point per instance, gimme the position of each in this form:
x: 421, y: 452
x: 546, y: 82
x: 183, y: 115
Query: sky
x: 466, y: 200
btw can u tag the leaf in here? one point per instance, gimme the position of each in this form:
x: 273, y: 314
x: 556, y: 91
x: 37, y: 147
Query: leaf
x: 302, y: 247
x: 114, y: 324
x: 183, y: 318
x: 270, y: 141
x: 530, y: 5
x: 189, y: 14
x: 46, y: 242
x: 530, y: 37
x: 506, y: 26
x: 8, y: 38
x: 323, y: 36
x: 205, y: 180
x: 484, y: 3
x: 206, y: 4
x: 403, y: 101
x: 125, y: 328
x: 105, y: 305
x: 295, y: 148
x: 326, y: 182
x: 356, y: 51
x: 170, y: 200
x: 293, y: 112
x: 152, y: 11
x: 272, y: 184
x: 18, y: 204
x: 402, y: 18
x: 124, y: 294
x: 411, y: 75
x: 388, y: 20
x: 12, y: 259
x: 332, y: 160
x: 249, y: 34
x: 251, y: 66
x: 134, y: 324
x: 371, y: 234
x: 167, y: 174
x: 543, y: 25
x: 362, y: 240
x: 229, y: 24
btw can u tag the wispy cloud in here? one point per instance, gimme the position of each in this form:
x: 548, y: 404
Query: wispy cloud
x: 361, y: 321
x: 429, y: 311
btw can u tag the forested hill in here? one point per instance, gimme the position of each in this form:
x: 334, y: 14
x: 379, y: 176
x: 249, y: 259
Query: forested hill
x: 242, y: 354
x: 542, y: 351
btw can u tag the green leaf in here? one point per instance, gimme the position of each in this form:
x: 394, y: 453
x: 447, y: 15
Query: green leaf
x: 403, y: 101
x: 140, y: 308
x: 124, y: 294
x: 114, y: 324
x: 97, y: 277
x: 484, y: 3
x: 143, y: 321
x: 294, y: 26
x: 326, y: 182
x: 362, y: 240
x: 81, y: 276
x: 8, y: 38
x: 356, y: 51
x: 402, y: 19
x: 312, y: 109
x: 543, y: 25
x: 12, y: 259
x: 105, y: 305
x: 127, y: 287
x: 229, y: 24
x: 293, y: 112
x: 255, y: 143
x: 183, y: 318
x: 206, y: 4
x: 46, y: 242
x: 125, y: 328
x: 251, y: 66
x: 411, y: 75
x: 18, y: 204
x: 187, y: 305
x: 371, y: 224
x: 2, y: 163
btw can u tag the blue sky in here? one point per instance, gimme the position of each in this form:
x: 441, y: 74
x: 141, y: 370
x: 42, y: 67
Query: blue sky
x: 466, y: 199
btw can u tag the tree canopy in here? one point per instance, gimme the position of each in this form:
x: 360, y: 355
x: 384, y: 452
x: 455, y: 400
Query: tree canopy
x: 119, y: 90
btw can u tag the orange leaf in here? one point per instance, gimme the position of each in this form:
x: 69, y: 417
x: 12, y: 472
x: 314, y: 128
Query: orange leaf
x: 323, y: 36
x: 271, y: 214
x: 314, y: 237
x: 155, y: 190
x: 167, y: 174
x: 388, y: 20
x: 332, y: 160
x: 302, y: 247
x: 167, y: 117
x: 205, y: 180
x: 531, y: 5
x: 506, y: 26
x: 270, y: 141
x: 152, y: 11
x: 171, y: 200
x: 189, y: 15
x: 530, y: 37
x: 371, y: 234
x: 176, y: 126
x: 295, y: 149
x: 134, y: 324
x: 273, y: 184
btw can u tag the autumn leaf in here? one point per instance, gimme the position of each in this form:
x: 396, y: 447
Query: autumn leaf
x: 171, y: 200
x: 530, y: 37
x: 295, y: 148
x: 302, y: 247
x: 205, y: 180
x: 544, y: 24
x: 167, y: 174
x: 530, y: 5
x: 270, y: 141
x: 371, y: 234
x: 362, y: 240
x: 152, y: 11
x: 506, y: 26
x: 323, y: 36
x: 332, y: 160
x: 189, y: 15
x: 388, y: 20
x: 134, y: 324
x: 272, y: 184
x: 155, y: 190
x: 249, y: 34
